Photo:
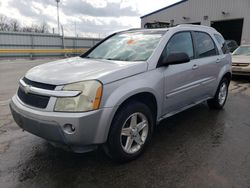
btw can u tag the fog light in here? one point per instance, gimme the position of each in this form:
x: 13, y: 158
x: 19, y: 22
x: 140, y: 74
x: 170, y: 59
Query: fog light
x: 69, y: 128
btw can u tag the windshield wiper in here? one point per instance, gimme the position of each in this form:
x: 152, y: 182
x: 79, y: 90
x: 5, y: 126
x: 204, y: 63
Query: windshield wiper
x: 92, y: 57
x: 88, y: 57
x: 112, y: 59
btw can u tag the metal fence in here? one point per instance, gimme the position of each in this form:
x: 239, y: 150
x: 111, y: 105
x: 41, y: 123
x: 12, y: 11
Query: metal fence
x: 13, y: 44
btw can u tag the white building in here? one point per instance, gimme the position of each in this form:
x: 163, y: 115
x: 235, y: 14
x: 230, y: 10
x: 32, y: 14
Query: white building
x: 230, y: 17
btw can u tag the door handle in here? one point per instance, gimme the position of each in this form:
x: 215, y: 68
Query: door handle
x: 195, y: 67
x: 218, y: 60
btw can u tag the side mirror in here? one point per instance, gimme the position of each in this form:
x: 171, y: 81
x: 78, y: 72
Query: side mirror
x: 175, y: 58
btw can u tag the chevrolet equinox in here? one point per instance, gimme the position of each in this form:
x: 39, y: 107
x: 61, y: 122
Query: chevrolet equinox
x: 118, y: 91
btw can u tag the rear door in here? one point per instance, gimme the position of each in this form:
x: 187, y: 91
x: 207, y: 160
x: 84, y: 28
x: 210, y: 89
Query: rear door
x: 206, y: 60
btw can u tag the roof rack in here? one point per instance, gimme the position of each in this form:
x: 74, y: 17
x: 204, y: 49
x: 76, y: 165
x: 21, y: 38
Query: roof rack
x: 196, y: 26
x: 132, y: 29
x: 144, y: 29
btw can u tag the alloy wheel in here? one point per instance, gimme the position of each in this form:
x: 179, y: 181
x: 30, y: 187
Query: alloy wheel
x: 134, y: 133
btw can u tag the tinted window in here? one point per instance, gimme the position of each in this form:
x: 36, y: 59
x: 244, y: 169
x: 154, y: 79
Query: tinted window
x: 205, y: 45
x: 180, y: 42
x: 222, y: 43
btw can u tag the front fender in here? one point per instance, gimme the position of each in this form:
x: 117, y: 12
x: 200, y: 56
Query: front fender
x: 117, y: 92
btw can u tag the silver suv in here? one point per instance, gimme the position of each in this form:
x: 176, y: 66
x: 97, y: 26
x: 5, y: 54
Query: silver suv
x: 116, y: 93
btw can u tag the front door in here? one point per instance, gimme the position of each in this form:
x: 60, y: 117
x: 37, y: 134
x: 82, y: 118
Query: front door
x: 180, y: 80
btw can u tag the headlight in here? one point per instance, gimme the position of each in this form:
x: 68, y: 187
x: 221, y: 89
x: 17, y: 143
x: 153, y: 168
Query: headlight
x: 89, y: 99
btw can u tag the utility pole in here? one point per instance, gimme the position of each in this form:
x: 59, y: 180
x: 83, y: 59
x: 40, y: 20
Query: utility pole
x: 75, y: 30
x: 63, y: 45
x: 58, y: 21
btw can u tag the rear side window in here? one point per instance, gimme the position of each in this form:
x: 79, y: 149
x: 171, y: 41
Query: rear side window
x: 180, y: 42
x: 205, y: 46
x: 222, y: 43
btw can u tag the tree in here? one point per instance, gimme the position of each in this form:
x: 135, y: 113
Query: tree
x: 44, y: 27
x: 27, y: 29
x: 8, y: 24
x: 4, y: 24
x: 37, y: 28
x: 14, y: 25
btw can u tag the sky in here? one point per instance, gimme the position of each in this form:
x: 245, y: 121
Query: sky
x: 85, y: 18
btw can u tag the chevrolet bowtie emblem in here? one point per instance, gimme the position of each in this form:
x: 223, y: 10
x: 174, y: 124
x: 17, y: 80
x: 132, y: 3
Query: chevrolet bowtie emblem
x: 26, y: 89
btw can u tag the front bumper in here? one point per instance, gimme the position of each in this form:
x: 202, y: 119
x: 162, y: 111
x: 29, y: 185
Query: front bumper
x: 241, y: 70
x: 91, y: 128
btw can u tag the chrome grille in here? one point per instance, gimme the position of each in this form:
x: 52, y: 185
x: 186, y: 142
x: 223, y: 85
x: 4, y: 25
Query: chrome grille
x: 240, y: 64
x: 34, y: 100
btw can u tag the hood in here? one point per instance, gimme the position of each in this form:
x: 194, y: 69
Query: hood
x: 78, y: 69
x: 241, y: 59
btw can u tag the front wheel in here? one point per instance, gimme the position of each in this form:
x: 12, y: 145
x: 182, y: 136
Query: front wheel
x: 220, y: 97
x: 130, y: 132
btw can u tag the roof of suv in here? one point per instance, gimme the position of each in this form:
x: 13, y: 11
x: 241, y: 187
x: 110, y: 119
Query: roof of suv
x: 181, y: 26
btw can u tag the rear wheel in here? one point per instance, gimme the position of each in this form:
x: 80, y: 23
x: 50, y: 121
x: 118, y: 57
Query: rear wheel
x: 130, y: 132
x: 220, y: 97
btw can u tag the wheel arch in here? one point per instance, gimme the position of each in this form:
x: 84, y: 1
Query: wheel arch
x: 228, y: 76
x: 224, y: 74
x: 146, y: 98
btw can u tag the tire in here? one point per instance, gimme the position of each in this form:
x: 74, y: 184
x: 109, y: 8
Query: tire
x: 126, y: 141
x: 220, y: 97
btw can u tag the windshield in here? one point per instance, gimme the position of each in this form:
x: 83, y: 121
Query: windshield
x: 130, y: 46
x: 242, y: 50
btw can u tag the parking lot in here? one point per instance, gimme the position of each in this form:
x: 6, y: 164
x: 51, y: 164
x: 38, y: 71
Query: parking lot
x: 196, y: 148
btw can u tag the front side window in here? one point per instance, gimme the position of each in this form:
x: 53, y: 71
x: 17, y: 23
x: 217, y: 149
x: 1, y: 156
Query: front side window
x: 129, y: 46
x: 180, y: 43
x: 204, y: 45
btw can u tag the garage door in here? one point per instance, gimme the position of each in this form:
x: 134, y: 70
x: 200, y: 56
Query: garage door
x: 230, y: 29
